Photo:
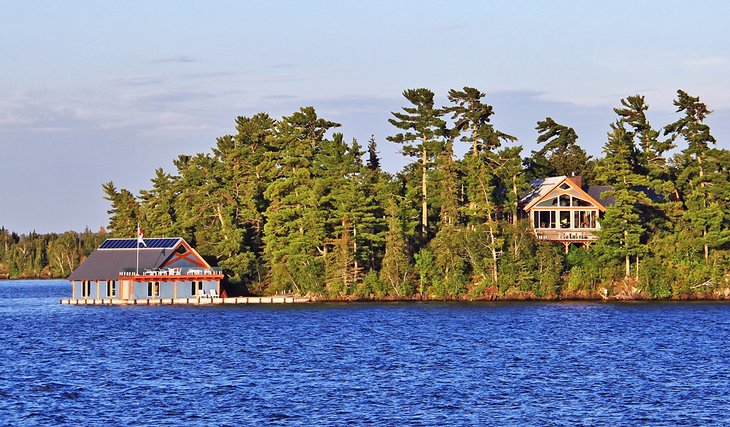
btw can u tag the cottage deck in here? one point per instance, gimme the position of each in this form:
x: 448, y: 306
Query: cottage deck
x: 186, y: 301
x: 566, y: 235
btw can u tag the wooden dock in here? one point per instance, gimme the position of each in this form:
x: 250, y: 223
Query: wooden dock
x: 187, y: 301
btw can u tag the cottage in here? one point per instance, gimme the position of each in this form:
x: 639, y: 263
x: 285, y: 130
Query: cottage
x: 123, y: 273
x: 561, y: 210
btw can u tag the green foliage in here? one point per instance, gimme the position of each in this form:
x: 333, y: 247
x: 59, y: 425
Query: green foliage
x: 288, y: 205
x: 561, y: 155
x: 45, y: 255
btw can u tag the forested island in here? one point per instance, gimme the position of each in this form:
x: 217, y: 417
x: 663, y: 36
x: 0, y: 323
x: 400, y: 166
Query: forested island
x: 290, y: 205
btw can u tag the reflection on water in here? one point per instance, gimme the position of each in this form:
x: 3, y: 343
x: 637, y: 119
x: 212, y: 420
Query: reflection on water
x: 341, y: 364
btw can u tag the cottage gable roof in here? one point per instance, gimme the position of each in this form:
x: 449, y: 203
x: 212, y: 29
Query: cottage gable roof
x: 596, y: 191
x: 544, y: 188
x: 117, y: 255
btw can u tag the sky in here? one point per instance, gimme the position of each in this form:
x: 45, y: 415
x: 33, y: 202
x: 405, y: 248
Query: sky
x: 98, y: 91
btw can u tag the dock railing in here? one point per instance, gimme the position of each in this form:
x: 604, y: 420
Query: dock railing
x: 173, y: 271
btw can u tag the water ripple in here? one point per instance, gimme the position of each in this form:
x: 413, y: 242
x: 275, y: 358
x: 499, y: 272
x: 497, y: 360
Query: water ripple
x: 361, y: 364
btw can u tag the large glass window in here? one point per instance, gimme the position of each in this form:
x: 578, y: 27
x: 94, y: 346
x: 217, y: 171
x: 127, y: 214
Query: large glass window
x: 564, y: 200
x: 545, y: 219
x: 584, y: 219
x: 564, y: 219
x: 549, y: 202
x: 86, y: 288
x: 580, y: 202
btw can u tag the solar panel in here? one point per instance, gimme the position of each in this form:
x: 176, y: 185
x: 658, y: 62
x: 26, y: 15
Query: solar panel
x: 154, y: 243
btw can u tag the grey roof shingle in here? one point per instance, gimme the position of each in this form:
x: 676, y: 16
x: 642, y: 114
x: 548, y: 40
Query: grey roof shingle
x: 596, y: 191
x: 105, y: 264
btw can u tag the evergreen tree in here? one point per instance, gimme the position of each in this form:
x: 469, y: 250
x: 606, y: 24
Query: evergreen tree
x: 651, y: 155
x: 622, y: 229
x: 422, y: 128
x: 703, y: 176
x: 124, y: 212
x: 561, y: 155
x: 373, y: 159
x: 341, y: 271
x: 157, y: 206
x: 396, y: 271
x: 294, y: 233
x: 472, y: 116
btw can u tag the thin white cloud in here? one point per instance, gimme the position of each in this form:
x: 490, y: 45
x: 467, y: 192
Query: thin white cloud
x: 137, y: 81
x: 179, y: 59
x: 707, y: 62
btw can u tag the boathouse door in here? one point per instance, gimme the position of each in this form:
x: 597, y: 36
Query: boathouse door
x: 125, y: 285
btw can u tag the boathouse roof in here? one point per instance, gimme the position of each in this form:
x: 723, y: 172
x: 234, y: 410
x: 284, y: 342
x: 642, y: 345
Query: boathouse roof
x: 116, y: 255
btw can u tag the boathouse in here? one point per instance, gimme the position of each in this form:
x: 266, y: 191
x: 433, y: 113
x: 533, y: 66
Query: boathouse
x: 561, y: 210
x: 160, y: 268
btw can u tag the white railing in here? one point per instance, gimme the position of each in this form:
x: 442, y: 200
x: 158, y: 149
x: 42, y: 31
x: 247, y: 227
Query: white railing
x: 176, y: 271
x: 565, y: 235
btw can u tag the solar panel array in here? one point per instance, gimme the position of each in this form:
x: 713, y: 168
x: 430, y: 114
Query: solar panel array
x: 132, y: 243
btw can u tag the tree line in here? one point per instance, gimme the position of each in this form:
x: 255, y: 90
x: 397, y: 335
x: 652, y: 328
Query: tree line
x: 51, y: 255
x: 289, y: 205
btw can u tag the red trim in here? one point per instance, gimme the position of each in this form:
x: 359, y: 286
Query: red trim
x: 555, y: 191
x: 196, y: 258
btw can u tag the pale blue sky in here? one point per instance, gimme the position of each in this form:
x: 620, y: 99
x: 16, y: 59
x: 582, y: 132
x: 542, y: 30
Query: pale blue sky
x: 93, y: 91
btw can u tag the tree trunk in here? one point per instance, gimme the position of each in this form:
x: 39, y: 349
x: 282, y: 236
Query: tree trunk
x: 424, y: 191
x: 628, y: 260
x: 514, y: 190
x: 474, y: 140
x: 495, y: 255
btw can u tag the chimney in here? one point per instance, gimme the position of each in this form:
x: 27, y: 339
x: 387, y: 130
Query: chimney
x: 577, y: 180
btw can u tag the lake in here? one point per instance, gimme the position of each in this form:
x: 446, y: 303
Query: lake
x: 361, y: 364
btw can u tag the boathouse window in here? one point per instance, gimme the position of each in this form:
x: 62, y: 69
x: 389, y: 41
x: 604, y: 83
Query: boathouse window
x: 85, y: 288
x: 111, y: 288
x: 153, y: 289
x: 196, y: 288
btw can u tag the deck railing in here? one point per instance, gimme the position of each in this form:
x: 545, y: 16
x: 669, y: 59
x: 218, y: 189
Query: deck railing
x: 174, y: 271
x: 565, y: 235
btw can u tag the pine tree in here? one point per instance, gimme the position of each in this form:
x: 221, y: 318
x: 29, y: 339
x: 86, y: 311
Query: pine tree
x: 396, y: 270
x: 561, y: 155
x: 294, y: 233
x: 703, y: 177
x: 124, y: 212
x: 373, y: 159
x: 422, y: 126
x: 157, y: 206
x: 341, y: 271
x: 622, y: 229
x: 472, y: 117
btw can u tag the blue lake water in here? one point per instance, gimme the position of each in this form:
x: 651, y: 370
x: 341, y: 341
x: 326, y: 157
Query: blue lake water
x: 360, y: 364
